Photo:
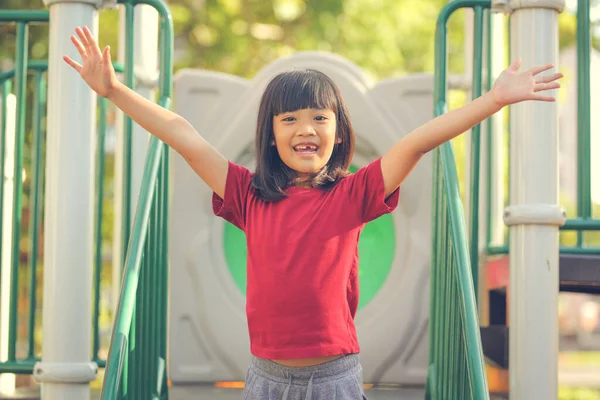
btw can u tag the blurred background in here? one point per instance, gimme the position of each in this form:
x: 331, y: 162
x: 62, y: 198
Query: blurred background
x: 386, y: 38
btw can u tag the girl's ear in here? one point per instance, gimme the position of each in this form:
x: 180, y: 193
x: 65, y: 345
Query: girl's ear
x: 273, y: 142
x: 338, y: 140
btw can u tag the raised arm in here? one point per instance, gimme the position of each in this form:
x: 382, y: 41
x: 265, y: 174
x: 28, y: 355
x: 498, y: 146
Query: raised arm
x: 510, y: 87
x: 171, y: 128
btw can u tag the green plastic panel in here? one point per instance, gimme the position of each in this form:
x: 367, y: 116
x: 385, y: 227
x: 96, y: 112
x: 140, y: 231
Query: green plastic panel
x: 376, y: 251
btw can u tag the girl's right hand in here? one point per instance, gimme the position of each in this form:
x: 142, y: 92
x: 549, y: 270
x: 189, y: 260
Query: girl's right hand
x: 97, y: 70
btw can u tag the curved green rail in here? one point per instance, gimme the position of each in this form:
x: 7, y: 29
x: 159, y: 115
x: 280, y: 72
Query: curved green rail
x: 456, y: 365
x: 136, y: 365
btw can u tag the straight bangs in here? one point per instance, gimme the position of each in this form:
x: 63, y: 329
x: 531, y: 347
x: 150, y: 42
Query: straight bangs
x: 302, y: 90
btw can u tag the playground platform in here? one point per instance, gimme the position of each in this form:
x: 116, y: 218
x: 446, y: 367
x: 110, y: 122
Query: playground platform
x: 186, y: 392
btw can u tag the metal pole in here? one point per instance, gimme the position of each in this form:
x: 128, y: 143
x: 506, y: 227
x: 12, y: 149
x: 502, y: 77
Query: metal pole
x: 65, y: 370
x: 145, y: 60
x: 534, y: 214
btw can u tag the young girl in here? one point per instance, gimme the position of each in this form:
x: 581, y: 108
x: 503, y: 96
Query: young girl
x: 302, y: 211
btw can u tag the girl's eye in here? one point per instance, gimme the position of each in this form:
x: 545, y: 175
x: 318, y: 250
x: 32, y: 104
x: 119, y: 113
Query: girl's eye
x: 321, y: 118
x: 288, y: 119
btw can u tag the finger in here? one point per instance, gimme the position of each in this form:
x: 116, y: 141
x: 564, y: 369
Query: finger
x: 516, y: 64
x: 546, y: 86
x: 106, y: 56
x: 548, y: 78
x: 79, y: 47
x: 543, y: 98
x: 540, y: 68
x: 91, y: 40
x: 72, y: 63
x: 82, y: 37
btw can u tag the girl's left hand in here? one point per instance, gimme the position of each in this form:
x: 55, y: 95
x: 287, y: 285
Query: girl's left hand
x: 513, y: 86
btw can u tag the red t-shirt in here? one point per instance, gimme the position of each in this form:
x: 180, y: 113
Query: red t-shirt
x: 302, y: 267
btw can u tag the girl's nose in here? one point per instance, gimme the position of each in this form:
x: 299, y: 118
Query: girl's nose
x: 307, y: 130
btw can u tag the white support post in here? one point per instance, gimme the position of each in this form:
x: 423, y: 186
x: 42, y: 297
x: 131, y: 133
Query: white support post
x: 146, y: 71
x: 7, y: 381
x: 534, y: 214
x: 497, y: 121
x: 66, y: 370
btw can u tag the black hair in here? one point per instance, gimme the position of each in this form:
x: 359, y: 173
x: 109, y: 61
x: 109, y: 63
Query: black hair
x: 291, y: 91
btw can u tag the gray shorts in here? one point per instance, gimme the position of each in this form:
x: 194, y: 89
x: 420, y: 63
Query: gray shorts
x: 339, y: 379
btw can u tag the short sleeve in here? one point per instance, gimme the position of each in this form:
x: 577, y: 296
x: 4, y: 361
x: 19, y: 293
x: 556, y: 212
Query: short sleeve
x: 232, y: 208
x: 367, y: 191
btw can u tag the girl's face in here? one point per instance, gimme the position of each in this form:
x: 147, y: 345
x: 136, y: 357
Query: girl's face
x: 305, y: 139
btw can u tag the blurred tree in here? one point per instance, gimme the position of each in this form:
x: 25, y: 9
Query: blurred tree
x: 385, y: 37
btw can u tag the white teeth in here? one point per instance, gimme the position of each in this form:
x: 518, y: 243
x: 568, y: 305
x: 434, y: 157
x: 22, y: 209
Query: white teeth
x: 305, y: 148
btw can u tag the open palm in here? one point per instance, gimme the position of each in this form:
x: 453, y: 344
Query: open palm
x: 513, y: 86
x: 97, y: 69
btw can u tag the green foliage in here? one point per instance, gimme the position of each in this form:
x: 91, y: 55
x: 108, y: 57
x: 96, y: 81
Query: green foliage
x: 385, y: 37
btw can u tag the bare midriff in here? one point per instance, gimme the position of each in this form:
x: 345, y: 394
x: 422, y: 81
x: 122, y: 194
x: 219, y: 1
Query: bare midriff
x: 307, y: 362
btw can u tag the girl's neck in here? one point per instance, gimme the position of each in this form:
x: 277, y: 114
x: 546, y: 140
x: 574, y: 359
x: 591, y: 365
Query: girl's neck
x: 303, y: 181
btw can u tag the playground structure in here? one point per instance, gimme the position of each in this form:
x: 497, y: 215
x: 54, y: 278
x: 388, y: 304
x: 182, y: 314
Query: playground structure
x: 449, y: 360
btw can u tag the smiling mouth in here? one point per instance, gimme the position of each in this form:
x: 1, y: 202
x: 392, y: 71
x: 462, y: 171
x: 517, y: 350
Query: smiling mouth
x: 306, y: 149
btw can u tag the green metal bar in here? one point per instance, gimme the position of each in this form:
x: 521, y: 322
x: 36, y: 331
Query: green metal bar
x: 580, y: 250
x: 584, y: 204
x: 18, y: 367
x: 476, y: 147
x: 124, y: 391
x: 164, y: 279
x: 20, y: 88
x: 36, y: 201
x: 491, y: 222
x: 581, y: 224
x: 127, y: 130
x: 149, y: 306
x: 118, y: 384
x: 575, y: 224
x: 132, y: 388
x: 100, y: 163
x: 440, y: 107
x: 33, y: 65
x: 101, y: 362
x: 446, y: 311
x: 126, y: 307
x: 143, y: 372
x: 42, y: 65
x: 466, y: 295
x: 112, y: 382
x: 24, y: 16
x: 154, y: 287
x: 166, y: 56
x: 502, y: 250
x: 430, y: 388
x: 496, y: 250
x: 584, y: 197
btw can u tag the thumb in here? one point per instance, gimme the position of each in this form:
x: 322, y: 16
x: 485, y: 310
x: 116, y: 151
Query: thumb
x: 516, y: 64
